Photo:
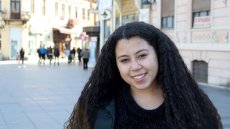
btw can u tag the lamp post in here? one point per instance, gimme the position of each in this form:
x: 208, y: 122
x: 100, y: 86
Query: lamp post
x: 149, y: 4
x: 105, y: 16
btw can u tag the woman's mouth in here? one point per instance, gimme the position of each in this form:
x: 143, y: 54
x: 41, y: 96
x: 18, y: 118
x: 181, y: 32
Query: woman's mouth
x: 139, y: 77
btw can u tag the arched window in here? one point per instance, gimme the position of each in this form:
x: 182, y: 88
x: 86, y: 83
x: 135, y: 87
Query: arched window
x: 200, y: 71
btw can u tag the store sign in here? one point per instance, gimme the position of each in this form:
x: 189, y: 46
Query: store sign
x: 201, y: 22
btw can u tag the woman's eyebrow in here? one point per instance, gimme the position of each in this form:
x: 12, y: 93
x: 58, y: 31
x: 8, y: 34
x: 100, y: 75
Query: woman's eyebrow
x: 141, y: 51
x: 121, y: 56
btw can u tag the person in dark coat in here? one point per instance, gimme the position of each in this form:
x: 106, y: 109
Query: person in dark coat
x: 85, y: 56
x: 79, y: 50
x: 56, y: 55
x: 22, y: 55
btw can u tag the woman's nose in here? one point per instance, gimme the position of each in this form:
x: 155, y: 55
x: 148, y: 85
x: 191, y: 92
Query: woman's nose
x: 135, y: 65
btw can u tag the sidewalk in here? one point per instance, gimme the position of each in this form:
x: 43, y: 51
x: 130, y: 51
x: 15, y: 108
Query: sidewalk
x: 39, y: 96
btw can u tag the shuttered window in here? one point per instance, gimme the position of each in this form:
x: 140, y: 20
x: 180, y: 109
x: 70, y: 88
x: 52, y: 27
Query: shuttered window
x: 200, y: 71
x: 167, y: 14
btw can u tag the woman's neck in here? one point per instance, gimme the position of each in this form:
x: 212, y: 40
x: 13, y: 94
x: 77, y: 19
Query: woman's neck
x: 148, y: 99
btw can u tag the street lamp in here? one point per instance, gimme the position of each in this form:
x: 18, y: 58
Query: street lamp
x: 149, y: 4
x: 106, y: 15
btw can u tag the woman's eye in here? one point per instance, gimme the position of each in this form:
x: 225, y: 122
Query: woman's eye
x: 142, y: 56
x: 124, y: 60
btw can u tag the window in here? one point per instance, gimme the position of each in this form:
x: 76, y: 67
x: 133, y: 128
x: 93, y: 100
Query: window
x: 44, y: 7
x: 88, y: 15
x: 167, y: 22
x: 201, y: 19
x: 200, y: 71
x: 147, y: 3
x: 69, y: 11
x: 63, y: 11
x: 201, y: 13
x: 83, y: 13
x: 0, y: 42
x: 167, y: 14
x: 0, y: 4
x: 76, y: 12
x: 56, y: 8
x: 32, y: 6
x: 15, y: 9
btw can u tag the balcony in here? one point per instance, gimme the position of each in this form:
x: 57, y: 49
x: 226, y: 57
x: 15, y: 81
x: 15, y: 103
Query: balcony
x: 216, y: 36
x: 7, y: 17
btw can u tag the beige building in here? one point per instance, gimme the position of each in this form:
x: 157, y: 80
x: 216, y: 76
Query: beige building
x: 200, y: 29
x: 32, y: 23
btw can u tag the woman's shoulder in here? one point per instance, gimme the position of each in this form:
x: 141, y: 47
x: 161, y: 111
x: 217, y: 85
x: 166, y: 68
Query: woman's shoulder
x: 108, y: 104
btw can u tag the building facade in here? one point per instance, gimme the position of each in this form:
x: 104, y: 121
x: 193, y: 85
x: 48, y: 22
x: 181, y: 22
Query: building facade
x: 34, y: 23
x: 199, y: 28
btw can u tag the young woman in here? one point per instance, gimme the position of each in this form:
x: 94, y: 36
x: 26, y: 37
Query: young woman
x: 141, y: 82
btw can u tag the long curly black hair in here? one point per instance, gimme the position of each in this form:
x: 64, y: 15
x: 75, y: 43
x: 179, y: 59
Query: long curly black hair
x: 187, y: 106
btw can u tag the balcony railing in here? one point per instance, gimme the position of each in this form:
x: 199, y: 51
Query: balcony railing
x: 199, y: 36
x: 10, y: 17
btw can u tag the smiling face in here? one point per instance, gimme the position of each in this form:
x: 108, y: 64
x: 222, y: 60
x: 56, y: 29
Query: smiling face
x: 137, y: 63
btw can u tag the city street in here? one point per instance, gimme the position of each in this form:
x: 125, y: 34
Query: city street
x: 42, y: 97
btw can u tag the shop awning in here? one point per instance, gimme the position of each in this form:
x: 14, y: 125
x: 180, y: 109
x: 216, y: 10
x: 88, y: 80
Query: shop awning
x: 66, y: 30
x: 92, y: 30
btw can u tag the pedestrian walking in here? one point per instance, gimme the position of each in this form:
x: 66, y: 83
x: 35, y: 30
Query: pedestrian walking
x: 85, y: 55
x: 43, y: 52
x: 50, y: 54
x: 79, y: 50
x: 22, y: 54
x: 56, y: 55
x: 140, y: 81
x: 71, y: 56
x: 39, y: 55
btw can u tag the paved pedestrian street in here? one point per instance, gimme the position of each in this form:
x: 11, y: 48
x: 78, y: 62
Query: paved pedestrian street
x: 39, y: 97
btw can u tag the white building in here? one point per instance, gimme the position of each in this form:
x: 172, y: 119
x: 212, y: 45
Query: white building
x: 32, y: 23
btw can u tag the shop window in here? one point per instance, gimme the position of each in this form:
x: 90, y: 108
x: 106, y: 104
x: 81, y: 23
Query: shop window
x: 167, y: 14
x: 200, y: 71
